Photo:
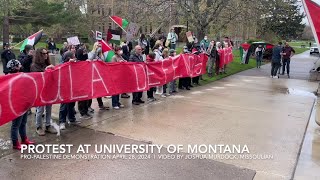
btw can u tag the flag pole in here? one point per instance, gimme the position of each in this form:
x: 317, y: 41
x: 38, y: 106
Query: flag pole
x: 118, y: 24
x: 24, y: 40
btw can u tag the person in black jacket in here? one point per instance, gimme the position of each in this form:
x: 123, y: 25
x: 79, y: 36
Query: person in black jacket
x: 26, y: 57
x: 137, y: 57
x: 83, y: 106
x: 52, y: 46
x: 6, y: 56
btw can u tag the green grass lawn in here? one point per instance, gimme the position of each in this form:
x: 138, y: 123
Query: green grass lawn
x: 233, y: 68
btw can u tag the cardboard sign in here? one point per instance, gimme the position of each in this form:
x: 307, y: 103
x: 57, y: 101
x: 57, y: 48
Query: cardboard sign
x: 98, y: 35
x: 73, y: 40
x: 189, y: 36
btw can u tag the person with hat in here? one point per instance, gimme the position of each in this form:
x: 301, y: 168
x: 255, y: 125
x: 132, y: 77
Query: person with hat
x: 19, y: 125
x: 6, y: 56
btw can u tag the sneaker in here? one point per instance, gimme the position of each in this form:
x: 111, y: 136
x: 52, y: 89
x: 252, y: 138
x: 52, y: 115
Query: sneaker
x: 188, y: 89
x: 174, y: 91
x: 121, y: 105
x: 62, y: 126
x: 125, y: 96
x: 76, y: 121
x: 40, y: 131
x: 288, y: 76
x: 135, y: 103
x: 151, y: 99
x: 275, y: 77
x: 90, y: 110
x: 140, y: 101
x: 50, y: 129
x: 168, y: 94
x: 163, y: 96
x: 116, y: 108
x: 103, y: 108
x: 85, y: 116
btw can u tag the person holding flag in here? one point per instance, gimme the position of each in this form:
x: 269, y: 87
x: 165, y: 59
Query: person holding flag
x: 117, y: 58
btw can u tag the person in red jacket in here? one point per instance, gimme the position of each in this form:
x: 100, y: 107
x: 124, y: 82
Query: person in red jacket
x: 151, y: 58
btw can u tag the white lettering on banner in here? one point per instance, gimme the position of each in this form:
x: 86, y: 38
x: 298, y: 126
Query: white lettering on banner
x: 58, y: 91
x: 164, y: 71
x: 187, y: 63
x: 95, y: 69
x: 137, y: 77
x: 174, y: 68
x: 150, y: 73
x: 199, y: 64
x: 20, y: 76
x: 71, y: 86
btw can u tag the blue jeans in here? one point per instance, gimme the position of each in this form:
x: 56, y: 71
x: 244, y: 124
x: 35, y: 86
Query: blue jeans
x: 39, y: 112
x: 172, y: 46
x: 115, y: 100
x: 173, y: 86
x: 259, y: 60
x: 19, y: 124
x: 67, y: 110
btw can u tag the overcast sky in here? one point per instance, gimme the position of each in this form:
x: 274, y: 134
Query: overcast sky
x: 305, y: 20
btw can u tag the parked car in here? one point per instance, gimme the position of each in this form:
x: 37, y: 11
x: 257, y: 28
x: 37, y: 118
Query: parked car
x: 314, y: 49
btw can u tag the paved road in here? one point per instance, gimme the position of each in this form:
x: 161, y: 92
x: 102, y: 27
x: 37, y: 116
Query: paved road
x: 270, y: 116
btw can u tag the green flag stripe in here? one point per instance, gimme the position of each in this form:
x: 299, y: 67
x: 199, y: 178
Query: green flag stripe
x: 124, y: 23
x: 108, y: 56
x: 25, y: 42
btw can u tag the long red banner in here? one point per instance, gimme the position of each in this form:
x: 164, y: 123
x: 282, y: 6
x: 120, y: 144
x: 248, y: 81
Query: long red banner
x: 76, y: 81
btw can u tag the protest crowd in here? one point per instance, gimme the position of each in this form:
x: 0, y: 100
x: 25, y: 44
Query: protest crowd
x: 146, y: 51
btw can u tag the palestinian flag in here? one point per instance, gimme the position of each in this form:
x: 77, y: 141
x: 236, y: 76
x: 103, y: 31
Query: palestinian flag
x: 113, y: 36
x: 31, y: 40
x: 123, y: 23
x: 107, y: 51
x: 312, y: 9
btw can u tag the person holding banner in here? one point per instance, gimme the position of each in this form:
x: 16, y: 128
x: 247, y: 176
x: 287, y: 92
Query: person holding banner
x: 67, y: 109
x: 19, y: 125
x: 137, y: 57
x: 218, y: 58
x: 83, y: 106
x: 117, y: 58
x: 173, y: 85
x: 96, y: 54
x: 42, y: 63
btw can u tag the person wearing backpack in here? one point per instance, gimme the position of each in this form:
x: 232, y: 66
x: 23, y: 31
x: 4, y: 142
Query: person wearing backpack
x: 259, y: 55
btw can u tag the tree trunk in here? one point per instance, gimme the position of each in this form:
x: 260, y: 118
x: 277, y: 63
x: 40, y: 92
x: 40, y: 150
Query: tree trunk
x: 5, y: 32
x: 201, y: 31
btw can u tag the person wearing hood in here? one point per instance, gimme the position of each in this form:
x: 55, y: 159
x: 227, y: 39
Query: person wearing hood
x: 204, y: 44
x: 19, y: 125
x: 6, y: 56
